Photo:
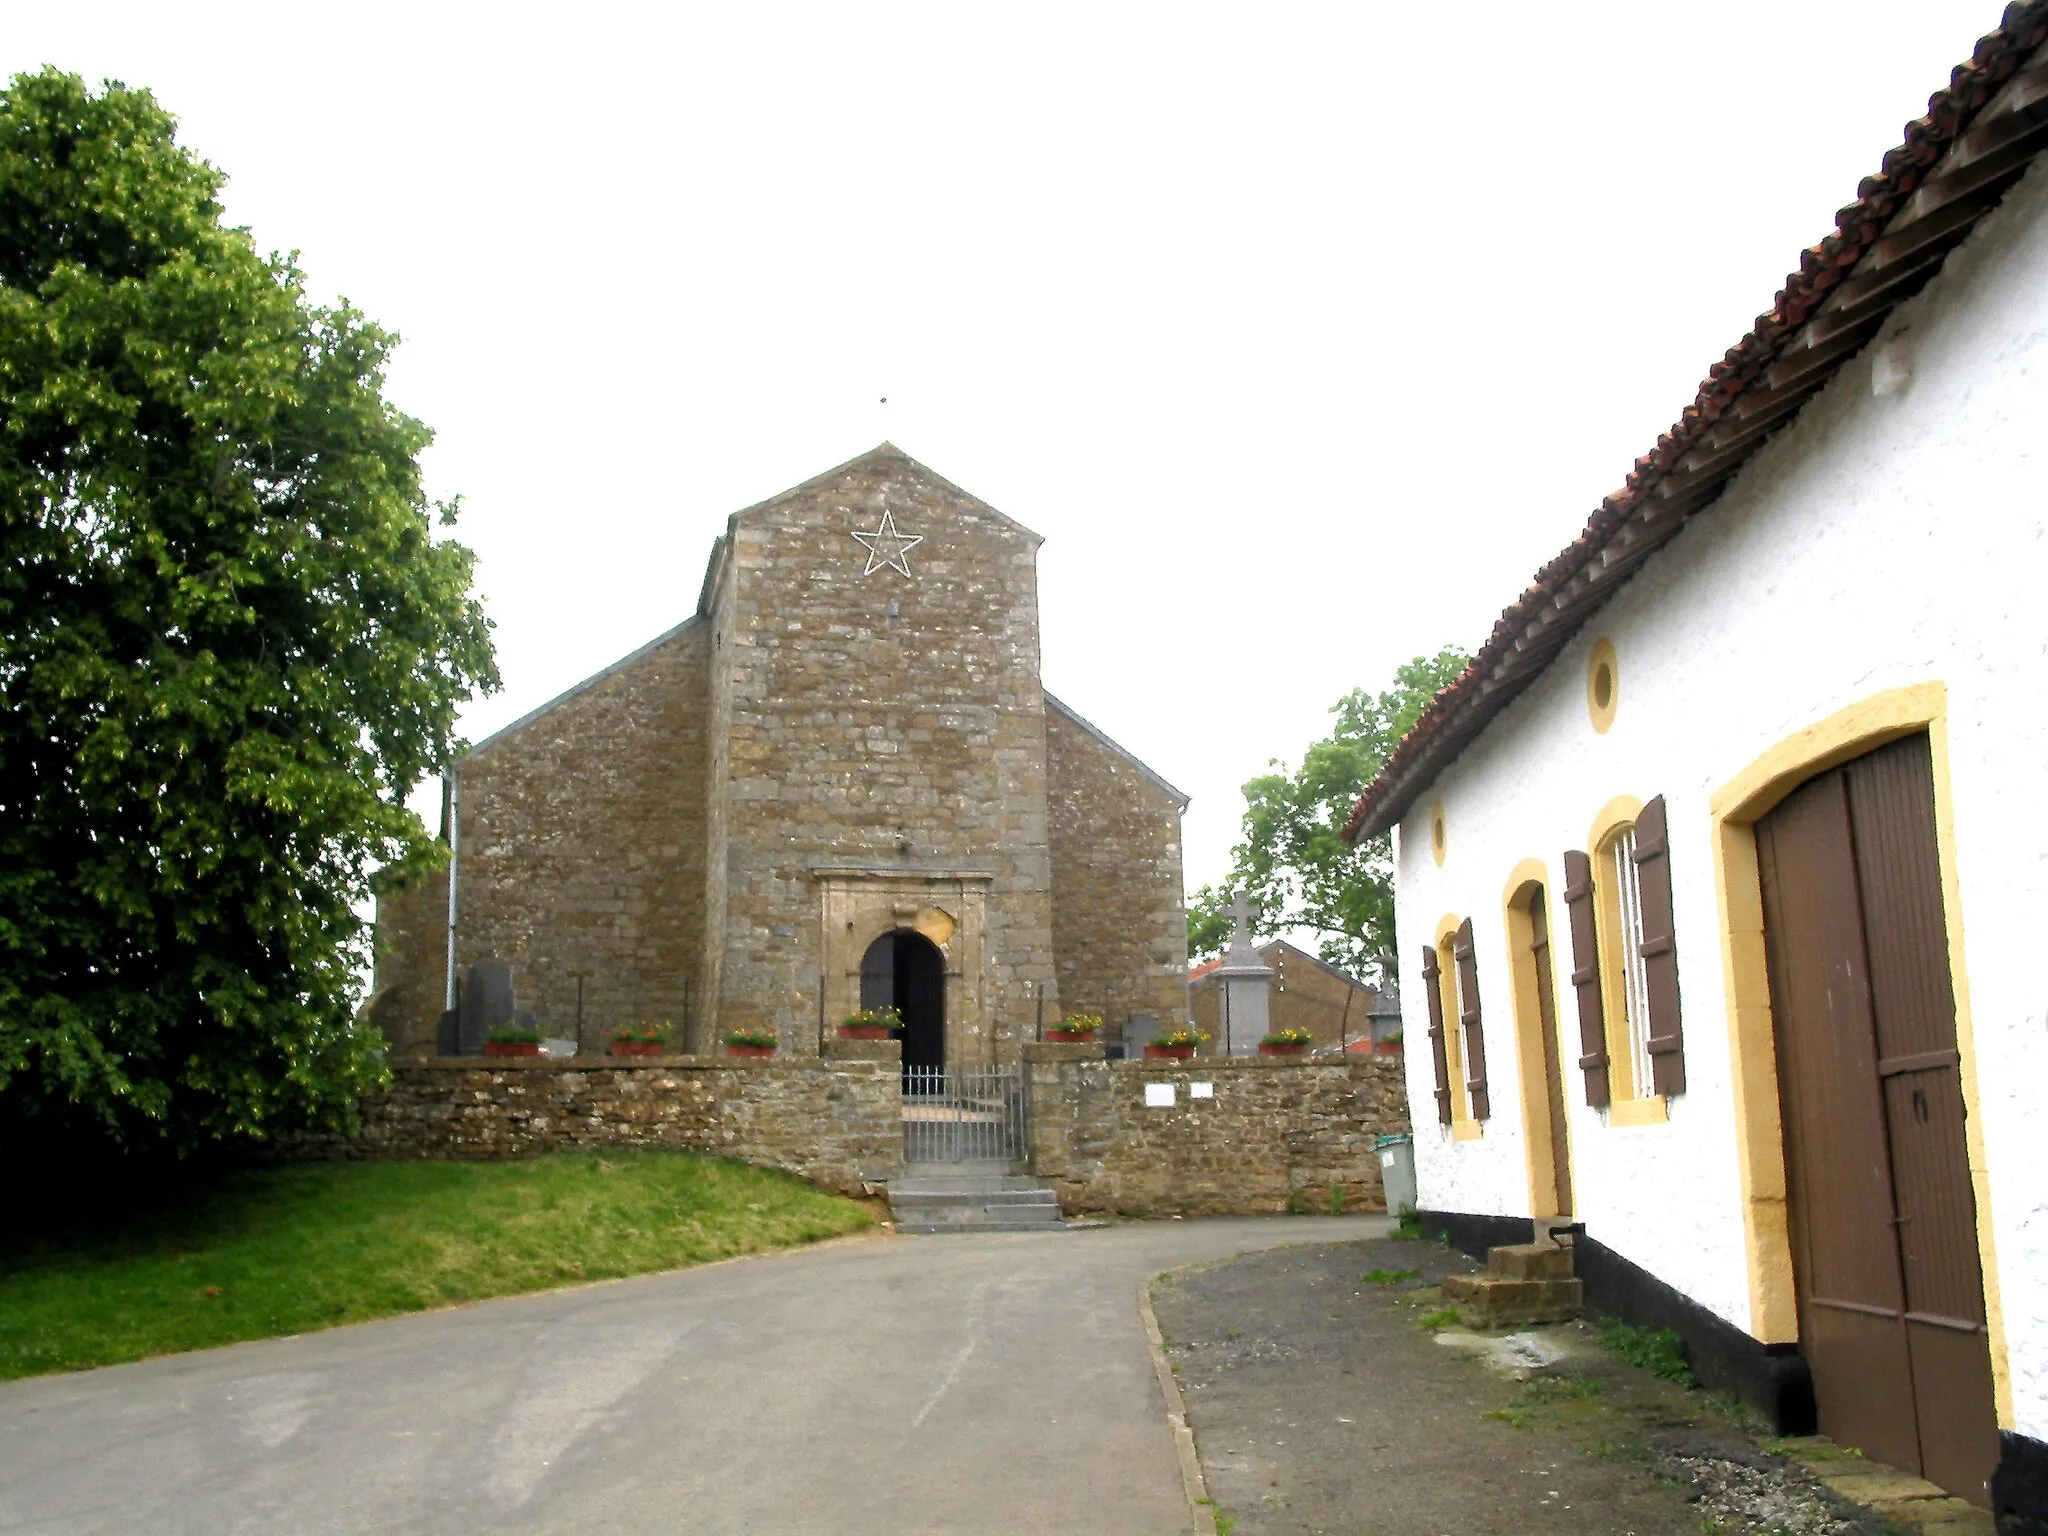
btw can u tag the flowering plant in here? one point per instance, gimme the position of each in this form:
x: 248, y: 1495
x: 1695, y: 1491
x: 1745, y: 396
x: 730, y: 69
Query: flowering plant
x: 514, y: 1034
x: 646, y: 1034
x: 1187, y: 1034
x: 1077, y: 1024
x: 874, y: 1018
x: 1293, y: 1035
x: 760, y: 1037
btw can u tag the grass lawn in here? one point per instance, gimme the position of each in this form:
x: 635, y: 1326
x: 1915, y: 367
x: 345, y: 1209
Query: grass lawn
x: 256, y: 1254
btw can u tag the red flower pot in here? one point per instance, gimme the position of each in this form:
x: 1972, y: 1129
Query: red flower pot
x: 1070, y: 1036
x: 750, y: 1050
x: 638, y: 1047
x: 863, y: 1031
x: 511, y: 1048
x: 1386, y: 1047
x: 1169, y: 1052
x: 1282, y: 1050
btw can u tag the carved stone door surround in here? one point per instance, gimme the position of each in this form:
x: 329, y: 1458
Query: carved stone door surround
x: 858, y: 903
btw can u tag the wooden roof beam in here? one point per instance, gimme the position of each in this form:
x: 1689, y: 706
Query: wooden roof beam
x: 2007, y: 117
x: 1772, y: 409
x: 2002, y: 164
x: 1945, y: 227
x: 1799, y: 362
x: 1865, y: 283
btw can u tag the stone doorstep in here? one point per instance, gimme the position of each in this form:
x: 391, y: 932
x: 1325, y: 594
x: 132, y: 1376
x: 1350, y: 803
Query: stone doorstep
x: 1530, y: 1261
x: 1502, y: 1301
x: 1900, y: 1497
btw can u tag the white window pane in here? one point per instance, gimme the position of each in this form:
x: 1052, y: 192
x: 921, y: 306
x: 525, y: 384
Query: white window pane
x: 1635, y: 981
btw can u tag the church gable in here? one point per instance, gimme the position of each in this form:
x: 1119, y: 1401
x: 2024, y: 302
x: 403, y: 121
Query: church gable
x: 876, y: 683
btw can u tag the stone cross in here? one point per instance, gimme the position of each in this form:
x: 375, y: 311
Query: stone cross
x: 1243, y: 914
x: 1246, y: 1008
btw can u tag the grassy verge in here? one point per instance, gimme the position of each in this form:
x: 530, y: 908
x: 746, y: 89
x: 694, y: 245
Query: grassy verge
x: 254, y: 1255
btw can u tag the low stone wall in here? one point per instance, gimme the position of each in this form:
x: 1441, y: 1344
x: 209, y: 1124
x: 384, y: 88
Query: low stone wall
x: 836, y: 1122
x: 1273, y: 1134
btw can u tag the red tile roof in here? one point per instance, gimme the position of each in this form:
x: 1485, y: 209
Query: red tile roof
x: 1978, y: 137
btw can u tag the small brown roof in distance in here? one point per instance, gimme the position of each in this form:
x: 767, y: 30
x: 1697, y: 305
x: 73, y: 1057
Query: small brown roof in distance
x: 1977, y: 139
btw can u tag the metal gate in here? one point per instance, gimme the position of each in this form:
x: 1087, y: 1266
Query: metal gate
x: 963, y: 1115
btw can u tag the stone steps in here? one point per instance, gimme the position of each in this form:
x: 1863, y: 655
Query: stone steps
x: 962, y: 1198
x: 1524, y: 1283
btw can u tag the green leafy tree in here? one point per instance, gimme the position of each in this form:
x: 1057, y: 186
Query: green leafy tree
x: 229, y: 645
x: 1294, y: 861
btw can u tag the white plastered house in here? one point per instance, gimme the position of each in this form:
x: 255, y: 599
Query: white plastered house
x: 1723, y: 870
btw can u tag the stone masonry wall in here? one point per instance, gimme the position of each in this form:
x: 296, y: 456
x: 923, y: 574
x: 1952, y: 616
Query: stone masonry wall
x: 879, y: 719
x: 1306, y: 994
x: 837, y: 1123
x: 1279, y: 1134
x: 1119, y: 929
x: 410, y: 979
x: 582, y: 846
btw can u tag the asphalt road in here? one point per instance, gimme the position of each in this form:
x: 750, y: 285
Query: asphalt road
x: 981, y: 1384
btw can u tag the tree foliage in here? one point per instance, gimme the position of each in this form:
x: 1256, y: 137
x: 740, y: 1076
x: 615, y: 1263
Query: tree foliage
x: 1293, y: 860
x: 229, y: 643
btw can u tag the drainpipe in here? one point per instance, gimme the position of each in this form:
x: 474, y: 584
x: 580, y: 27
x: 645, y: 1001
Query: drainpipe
x: 451, y: 796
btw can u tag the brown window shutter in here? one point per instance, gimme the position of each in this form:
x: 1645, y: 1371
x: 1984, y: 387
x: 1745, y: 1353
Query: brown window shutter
x: 1662, y: 1036
x: 1578, y: 906
x: 1435, y: 997
x: 1468, y: 1015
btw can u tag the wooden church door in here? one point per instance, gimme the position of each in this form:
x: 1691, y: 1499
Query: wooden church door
x: 1883, y: 1215
x: 904, y: 970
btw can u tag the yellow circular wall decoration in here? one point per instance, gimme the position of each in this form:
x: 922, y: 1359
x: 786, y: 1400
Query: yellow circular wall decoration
x: 1439, y: 841
x: 1603, y: 685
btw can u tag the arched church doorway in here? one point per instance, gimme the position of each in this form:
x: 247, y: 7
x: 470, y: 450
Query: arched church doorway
x: 904, y: 970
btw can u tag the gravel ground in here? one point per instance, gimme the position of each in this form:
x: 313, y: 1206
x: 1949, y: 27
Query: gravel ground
x: 1322, y: 1403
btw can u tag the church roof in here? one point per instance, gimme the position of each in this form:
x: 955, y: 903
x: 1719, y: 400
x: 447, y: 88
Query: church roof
x: 1115, y: 746
x: 1979, y: 136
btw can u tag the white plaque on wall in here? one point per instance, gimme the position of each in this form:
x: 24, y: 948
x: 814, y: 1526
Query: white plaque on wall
x: 1159, y: 1095
x: 1201, y: 1090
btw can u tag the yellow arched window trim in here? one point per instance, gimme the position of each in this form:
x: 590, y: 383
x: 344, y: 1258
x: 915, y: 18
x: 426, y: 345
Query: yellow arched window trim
x: 1625, y: 1106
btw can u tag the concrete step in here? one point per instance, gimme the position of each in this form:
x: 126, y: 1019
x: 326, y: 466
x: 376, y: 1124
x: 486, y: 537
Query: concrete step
x: 1505, y: 1301
x: 982, y: 1184
x: 972, y: 1203
x: 992, y: 1199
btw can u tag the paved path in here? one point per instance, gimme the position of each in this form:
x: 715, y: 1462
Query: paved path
x: 986, y: 1384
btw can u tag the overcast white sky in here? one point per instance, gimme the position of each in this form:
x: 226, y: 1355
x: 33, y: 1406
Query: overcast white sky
x: 1304, y: 333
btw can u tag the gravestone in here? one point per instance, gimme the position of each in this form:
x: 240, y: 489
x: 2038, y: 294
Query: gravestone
x: 1245, y: 1008
x: 1385, y: 1012
x: 1139, y: 1029
x: 487, y: 1002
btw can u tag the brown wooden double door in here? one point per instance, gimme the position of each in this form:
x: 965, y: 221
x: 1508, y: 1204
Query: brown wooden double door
x: 1883, y: 1217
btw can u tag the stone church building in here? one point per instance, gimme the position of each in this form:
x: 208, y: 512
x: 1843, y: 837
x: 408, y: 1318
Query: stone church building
x: 840, y: 782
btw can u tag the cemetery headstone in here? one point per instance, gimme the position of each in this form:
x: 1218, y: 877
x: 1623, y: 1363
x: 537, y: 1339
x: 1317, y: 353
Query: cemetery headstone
x: 487, y: 1002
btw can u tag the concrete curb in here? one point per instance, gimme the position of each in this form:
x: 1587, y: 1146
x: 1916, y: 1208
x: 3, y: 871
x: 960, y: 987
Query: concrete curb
x: 1200, y: 1508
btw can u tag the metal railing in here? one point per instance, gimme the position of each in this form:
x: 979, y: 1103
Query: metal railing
x: 963, y: 1115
